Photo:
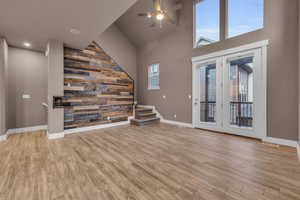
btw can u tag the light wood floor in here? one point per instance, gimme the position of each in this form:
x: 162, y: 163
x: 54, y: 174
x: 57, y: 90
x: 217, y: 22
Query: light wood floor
x: 146, y: 163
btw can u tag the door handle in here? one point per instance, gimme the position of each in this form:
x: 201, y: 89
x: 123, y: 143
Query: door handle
x: 196, y: 102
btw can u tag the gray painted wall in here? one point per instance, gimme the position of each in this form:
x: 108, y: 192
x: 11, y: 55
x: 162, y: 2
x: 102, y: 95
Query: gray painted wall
x: 27, y: 74
x: 174, y: 52
x: 55, y: 55
x: 3, y: 85
x: 117, y: 46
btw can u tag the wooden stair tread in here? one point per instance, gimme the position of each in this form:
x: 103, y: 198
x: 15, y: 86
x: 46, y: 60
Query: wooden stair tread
x: 145, y: 114
x: 143, y: 109
x: 146, y: 119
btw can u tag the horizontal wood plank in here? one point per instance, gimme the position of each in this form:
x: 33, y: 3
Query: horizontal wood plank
x: 94, y: 88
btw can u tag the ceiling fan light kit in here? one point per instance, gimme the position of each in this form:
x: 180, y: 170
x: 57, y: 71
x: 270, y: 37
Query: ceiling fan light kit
x: 159, y: 14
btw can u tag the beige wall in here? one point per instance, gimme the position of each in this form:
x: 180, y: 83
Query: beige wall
x: 3, y: 86
x: 174, y: 52
x: 27, y: 74
x: 116, y: 45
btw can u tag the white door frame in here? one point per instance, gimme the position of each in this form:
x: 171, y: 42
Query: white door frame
x: 261, y: 120
x: 244, y: 131
x: 196, y: 96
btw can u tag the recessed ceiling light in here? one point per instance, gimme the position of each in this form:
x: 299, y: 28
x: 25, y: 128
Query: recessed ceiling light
x: 75, y: 31
x: 27, y: 44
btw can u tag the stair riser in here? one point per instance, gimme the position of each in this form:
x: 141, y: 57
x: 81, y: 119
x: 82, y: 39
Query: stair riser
x: 141, y: 113
x: 145, y: 123
x: 145, y: 117
x: 144, y: 111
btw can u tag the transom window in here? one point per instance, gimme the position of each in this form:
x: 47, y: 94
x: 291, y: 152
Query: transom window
x: 240, y: 17
x: 153, y: 77
x: 207, y: 22
x: 244, y: 16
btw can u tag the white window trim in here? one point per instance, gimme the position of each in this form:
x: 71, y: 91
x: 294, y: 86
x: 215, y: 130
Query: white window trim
x: 226, y: 36
x: 148, y: 71
x: 254, y: 45
x: 194, y: 26
x: 158, y: 88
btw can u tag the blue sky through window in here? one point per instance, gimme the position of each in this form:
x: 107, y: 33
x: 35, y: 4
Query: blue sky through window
x: 208, y: 20
x: 243, y: 16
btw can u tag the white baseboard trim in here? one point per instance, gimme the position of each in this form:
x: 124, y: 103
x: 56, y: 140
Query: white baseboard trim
x: 279, y: 141
x: 176, y: 123
x: 146, y: 106
x: 27, y: 129
x: 91, y: 128
x: 130, y: 118
x: 3, y: 137
x: 52, y: 136
x: 298, y: 151
x: 85, y: 129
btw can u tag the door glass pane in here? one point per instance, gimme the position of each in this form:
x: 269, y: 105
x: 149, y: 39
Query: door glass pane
x: 208, y: 93
x: 241, y: 91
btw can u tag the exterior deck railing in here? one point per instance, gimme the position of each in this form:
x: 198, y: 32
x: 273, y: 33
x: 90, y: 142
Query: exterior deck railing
x: 241, y: 113
x: 208, y: 111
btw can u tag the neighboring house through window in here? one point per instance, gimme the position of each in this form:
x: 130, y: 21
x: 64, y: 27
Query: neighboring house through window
x: 207, y: 22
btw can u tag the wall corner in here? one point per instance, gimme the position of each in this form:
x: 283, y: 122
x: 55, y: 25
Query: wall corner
x: 55, y: 54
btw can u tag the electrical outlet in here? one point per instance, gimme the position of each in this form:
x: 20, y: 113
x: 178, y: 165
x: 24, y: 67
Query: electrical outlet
x: 175, y: 116
x: 164, y: 97
x: 190, y: 96
x: 26, y: 96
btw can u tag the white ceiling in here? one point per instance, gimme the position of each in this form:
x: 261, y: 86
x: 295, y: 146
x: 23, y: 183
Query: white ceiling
x: 37, y: 21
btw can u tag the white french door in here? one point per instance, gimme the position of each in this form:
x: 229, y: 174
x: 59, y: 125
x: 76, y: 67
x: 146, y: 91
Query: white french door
x: 229, y: 92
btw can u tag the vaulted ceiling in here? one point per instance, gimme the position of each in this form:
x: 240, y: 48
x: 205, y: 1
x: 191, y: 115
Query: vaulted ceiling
x: 137, y: 29
x: 37, y: 21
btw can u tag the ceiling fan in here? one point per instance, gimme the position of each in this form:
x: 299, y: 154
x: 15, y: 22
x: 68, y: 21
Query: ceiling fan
x: 159, y: 14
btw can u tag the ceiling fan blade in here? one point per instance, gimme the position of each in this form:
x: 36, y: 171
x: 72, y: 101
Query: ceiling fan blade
x: 177, y: 7
x: 142, y: 14
x: 169, y: 19
x: 157, y: 5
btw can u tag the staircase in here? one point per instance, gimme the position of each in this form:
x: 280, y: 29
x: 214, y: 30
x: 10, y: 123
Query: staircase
x: 144, y: 116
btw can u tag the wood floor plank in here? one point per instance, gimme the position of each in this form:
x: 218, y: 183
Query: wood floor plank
x: 145, y: 163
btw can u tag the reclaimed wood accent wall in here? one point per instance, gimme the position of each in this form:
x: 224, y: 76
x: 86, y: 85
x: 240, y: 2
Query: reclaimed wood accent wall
x: 96, y: 89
